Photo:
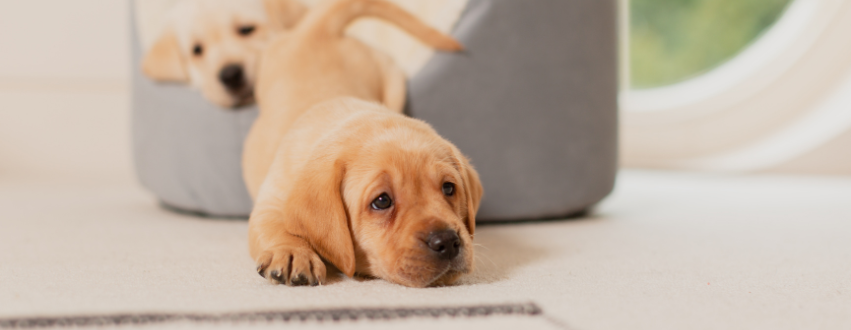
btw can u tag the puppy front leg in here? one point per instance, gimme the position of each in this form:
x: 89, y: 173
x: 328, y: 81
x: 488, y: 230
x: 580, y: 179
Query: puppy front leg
x: 290, y: 228
x: 281, y: 256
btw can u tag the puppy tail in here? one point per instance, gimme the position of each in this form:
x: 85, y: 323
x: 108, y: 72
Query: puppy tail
x: 334, y: 17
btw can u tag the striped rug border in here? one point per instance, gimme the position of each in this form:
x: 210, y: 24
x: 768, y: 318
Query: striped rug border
x: 318, y: 315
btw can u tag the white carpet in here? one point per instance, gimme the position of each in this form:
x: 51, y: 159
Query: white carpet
x: 667, y: 251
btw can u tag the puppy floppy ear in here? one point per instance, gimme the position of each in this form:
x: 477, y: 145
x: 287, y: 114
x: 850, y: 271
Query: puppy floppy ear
x: 473, y: 192
x: 163, y: 61
x: 315, y: 211
x: 285, y: 13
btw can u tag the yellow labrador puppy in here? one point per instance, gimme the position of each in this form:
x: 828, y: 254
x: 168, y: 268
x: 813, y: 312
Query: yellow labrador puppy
x: 338, y: 177
x: 215, y: 45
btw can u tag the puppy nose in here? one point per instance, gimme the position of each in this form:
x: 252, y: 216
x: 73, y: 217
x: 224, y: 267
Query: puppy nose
x: 445, y: 243
x: 233, y: 77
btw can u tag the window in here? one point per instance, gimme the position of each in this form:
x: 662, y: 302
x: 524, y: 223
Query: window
x: 776, y: 99
x: 674, y: 40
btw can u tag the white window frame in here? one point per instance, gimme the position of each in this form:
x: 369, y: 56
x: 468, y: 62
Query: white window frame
x: 781, y: 97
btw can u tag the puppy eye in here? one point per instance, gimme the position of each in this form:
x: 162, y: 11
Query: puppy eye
x: 383, y: 202
x: 198, y: 50
x: 449, y: 189
x: 246, y: 30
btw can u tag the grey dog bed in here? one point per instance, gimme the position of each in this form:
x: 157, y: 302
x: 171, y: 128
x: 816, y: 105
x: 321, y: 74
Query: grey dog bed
x: 532, y: 101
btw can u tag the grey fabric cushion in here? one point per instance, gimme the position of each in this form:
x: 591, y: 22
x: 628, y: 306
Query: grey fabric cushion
x: 532, y: 102
x: 187, y: 151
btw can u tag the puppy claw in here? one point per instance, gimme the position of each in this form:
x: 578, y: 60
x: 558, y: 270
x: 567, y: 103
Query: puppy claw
x: 317, y: 267
x: 278, y: 277
x: 300, y: 280
x: 263, y: 263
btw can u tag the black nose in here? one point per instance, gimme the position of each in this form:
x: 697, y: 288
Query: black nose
x: 445, y: 243
x: 233, y: 77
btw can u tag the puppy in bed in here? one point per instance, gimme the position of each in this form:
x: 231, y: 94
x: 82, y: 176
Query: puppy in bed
x: 338, y: 177
x: 215, y: 45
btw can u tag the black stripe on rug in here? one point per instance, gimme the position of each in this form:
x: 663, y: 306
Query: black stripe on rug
x: 320, y: 315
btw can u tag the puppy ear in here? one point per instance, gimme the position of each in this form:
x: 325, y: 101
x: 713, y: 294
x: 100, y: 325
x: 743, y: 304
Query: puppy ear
x: 164, y: 62
x: 315, y: 211
x: 285, y: 13
x: 473, y: 192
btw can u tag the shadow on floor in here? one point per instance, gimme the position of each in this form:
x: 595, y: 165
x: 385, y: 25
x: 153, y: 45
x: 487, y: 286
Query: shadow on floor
x: 501, y: 251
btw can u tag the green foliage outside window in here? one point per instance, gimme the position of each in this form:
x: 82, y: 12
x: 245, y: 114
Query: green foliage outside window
x: 673, y: 40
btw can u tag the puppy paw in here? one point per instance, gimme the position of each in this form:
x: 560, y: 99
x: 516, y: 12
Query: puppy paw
x: 291, y: 266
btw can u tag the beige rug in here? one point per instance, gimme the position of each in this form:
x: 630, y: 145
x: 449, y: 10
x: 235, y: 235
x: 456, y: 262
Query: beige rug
x: 667, y: 251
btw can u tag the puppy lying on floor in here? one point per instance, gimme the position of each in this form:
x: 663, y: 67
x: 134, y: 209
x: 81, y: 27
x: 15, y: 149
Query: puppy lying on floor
x: 338, y: 177
x: 215, y: 45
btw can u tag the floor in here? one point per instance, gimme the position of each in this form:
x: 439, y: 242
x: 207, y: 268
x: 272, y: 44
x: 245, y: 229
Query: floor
x: 665, y: 251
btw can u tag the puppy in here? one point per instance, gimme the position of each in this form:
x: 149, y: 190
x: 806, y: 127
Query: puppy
x: 215, y: 45
x: 338, y: 177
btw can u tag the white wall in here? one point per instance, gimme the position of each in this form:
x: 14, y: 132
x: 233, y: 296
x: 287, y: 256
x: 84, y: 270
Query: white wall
x: 64, y: 101
x: 64, y: 41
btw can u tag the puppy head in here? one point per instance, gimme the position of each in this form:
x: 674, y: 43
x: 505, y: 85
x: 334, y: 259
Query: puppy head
x: 412, y: 199
x: 382, y: 195
x: 215, y: 45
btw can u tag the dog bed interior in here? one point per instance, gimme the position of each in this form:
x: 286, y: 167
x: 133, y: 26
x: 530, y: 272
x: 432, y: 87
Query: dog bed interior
x: 532, y: 101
